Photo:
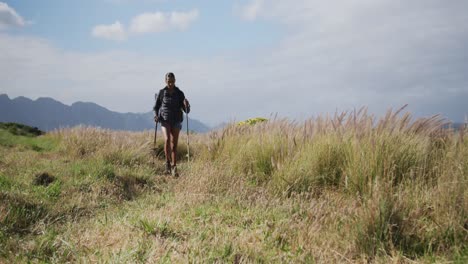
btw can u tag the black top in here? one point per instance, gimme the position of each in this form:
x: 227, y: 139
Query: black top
x: 169, y: 105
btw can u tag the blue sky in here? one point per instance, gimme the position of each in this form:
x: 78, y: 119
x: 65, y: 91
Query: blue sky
x: 68, y: 25
x: 240, y: 59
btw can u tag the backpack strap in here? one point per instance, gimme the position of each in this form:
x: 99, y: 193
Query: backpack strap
x: 161, y: 94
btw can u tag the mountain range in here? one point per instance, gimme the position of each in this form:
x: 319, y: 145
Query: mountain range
x: 49, y: 114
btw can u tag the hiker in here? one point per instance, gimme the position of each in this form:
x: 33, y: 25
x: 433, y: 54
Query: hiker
x: 168, y: 111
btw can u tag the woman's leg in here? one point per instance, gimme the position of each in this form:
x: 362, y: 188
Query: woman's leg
x: 166, y: 129
x: 174, y: 140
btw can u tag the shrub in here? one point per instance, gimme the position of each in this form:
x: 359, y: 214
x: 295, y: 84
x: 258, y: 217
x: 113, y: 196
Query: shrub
x: 252, y: 121
x: 21, y: 130
x: 318, y: 163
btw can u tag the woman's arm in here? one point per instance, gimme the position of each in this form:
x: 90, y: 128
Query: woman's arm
x: 157, y: 106
x: 184, y: 103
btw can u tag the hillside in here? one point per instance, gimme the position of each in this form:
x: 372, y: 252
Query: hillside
x: 48, y: 114
x: 350, y: 188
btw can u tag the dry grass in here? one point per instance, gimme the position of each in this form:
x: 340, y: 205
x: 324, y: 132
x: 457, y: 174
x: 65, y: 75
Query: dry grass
x: 342, y: 188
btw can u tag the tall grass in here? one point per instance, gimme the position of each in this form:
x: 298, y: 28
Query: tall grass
x: 409, y: 173
x: 350, y: 150
x: 348, y: 187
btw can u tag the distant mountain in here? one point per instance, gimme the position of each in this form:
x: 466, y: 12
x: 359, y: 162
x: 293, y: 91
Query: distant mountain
x: 48, y: 114
x: 456, y: 126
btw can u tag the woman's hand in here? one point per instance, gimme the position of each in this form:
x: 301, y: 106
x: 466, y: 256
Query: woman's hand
x: 187, y: 106
x: 156, y: 118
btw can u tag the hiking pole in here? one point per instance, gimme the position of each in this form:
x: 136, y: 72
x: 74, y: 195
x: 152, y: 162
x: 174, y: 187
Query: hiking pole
x: 155, y: 136
x: 155, y: 130
x: 188, y: 141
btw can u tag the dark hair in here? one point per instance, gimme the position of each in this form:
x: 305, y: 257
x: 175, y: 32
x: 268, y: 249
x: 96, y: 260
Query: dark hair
x: 170, y: 75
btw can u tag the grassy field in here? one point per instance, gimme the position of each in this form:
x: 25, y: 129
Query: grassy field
x: 347, y: 188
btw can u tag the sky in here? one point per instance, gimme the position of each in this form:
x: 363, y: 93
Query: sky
x: 243, y: 58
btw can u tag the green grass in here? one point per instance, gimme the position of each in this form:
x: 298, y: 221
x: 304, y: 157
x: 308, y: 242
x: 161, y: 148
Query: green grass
x: 40, y: 143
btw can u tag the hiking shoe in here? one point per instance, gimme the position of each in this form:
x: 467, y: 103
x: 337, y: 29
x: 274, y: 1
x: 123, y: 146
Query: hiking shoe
x: 174, y: 171
x: 167, y: 168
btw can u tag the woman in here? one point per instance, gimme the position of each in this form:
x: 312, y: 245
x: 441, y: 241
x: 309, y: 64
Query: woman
x: 168, y: 111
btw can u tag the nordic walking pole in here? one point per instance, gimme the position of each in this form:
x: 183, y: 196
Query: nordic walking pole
x: 188, y: 141
x: 155, y: 136
x: 155, y: 130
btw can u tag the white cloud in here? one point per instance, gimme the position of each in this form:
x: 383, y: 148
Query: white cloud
x: 9, y: 18
x: 149, y: 23
x: 160, y: 22
x: 156, y: 22
x: 182, y: 20
x: 133, y: 1
x: 251, y: 11
x: 112, y: 32
x: 379, y: 53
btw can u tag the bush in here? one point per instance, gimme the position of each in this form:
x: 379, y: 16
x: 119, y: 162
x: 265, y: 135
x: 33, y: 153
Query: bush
x: 318, y: 163
x: 21, y: 130
x: 252, y: 121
